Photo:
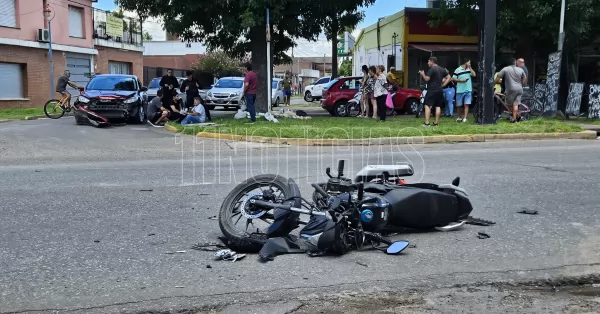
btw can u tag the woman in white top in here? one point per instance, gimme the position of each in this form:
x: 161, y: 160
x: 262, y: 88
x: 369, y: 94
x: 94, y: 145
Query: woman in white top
x: 380, y: 92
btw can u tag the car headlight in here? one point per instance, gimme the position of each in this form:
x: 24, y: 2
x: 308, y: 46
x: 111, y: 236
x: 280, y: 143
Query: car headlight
x: 131, y: 100
x: 209, y: 94
x: 83, y: 99
x: 235, y: 94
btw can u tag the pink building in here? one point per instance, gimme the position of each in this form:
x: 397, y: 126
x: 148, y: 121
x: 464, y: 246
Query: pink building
x: 78, y: 45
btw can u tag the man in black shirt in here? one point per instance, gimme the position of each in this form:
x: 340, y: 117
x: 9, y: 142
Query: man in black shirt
x: 191, y: 88
x: 169, y: 85
x: 437, y: 78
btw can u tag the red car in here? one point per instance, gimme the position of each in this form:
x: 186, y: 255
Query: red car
x: 338, y: 92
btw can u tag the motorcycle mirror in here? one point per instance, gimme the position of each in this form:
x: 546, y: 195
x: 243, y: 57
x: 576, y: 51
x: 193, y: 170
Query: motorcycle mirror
x: 456, y: 181
x: 340, y: 169
x: 328, y: 172
x: 397, y: 247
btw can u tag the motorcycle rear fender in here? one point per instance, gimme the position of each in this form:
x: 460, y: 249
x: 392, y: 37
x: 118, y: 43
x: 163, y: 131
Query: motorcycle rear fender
x: 286, y: 221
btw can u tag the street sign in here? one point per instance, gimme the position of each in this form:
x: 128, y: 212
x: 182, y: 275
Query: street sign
x: 341, y: 48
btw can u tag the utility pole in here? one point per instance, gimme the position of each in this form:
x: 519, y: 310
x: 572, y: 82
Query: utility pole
x: 486, y: 69
x: 49, y: 16
x: 561, y: 32
x: 324, y: 58
x: 292, y: 64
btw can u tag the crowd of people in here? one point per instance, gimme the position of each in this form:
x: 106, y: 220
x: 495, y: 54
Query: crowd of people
x: 168, y: 105
x: 445, y: 89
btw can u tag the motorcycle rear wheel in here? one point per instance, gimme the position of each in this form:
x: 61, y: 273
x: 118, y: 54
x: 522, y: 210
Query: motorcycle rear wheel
x: 244, y: 239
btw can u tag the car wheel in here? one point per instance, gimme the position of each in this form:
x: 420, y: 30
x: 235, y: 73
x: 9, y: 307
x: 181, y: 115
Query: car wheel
x: 276, y: 102
x: 389, y: 112
x: 340, y: 109
x: 308, y: 97
x: 411, y: 106
x: 140, y: 115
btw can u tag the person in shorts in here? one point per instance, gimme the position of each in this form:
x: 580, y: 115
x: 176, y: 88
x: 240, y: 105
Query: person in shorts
x: 437, y: 78
x: 157, y: 114
x: 514, y: 79
x: 464, y: 89
x: 287, y: 89
x: 61, y: 88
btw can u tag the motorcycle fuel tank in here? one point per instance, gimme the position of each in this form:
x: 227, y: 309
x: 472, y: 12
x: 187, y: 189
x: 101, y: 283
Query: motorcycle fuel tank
x: 374, y: 212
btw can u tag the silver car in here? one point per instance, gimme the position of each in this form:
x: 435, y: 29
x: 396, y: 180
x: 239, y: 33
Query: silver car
x: 154, y: 86
x: 226, y: 92
x: 277, y: 92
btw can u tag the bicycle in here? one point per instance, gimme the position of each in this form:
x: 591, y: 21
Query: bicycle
x: 54, y: 105
x: 524, y: 109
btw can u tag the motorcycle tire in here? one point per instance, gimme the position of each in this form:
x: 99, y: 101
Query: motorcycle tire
x: 239, y: 240
x: 419, y: 110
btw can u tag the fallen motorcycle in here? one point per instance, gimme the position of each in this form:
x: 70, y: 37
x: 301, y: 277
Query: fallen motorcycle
x: 343, y: 215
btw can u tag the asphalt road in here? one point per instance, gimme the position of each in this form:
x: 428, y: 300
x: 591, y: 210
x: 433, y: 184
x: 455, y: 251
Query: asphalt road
x: 79, y: 234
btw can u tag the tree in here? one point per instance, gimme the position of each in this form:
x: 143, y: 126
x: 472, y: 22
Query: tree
x: 346, y: 67
x: 147, y: 36
x: 529, y: 26
x: 346, y: 17
x: 219, y: 64
x: 239, y: 26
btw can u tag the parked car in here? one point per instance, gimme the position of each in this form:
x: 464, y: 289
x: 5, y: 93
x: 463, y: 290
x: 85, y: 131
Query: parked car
x: 154, y: 86
x: 315, y: 91
x: 338, y: 92
x: 276, y: 92
x: 116, y: 97
x: 226, y: 92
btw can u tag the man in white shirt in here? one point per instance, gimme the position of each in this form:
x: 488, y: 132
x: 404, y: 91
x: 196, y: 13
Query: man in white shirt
x: 197, y: 115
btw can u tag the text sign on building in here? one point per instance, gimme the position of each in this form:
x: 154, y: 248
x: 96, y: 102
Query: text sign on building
x: 114, y: 26
x: 341, y: 48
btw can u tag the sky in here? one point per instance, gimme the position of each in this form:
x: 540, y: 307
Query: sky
x: 305, y: 48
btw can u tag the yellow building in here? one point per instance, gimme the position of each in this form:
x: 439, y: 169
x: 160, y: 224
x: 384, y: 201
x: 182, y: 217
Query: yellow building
x: 405, y: 41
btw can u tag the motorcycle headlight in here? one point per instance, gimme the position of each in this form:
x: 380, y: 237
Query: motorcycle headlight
x: 130, y: 100
x: 83, y: 99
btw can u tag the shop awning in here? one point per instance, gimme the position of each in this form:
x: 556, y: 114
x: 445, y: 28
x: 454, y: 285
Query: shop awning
x: 443, y: 47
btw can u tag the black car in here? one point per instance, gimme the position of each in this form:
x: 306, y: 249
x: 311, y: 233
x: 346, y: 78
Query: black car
x: 112, y: 98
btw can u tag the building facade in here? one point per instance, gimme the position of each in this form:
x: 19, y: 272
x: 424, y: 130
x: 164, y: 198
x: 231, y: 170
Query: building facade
x: 77, y: 45
x: 405, y: 41
x: 159, y: 56
x: 305, y: 70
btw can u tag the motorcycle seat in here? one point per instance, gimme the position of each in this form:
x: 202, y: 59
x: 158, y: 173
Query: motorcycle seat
x: 372, y: 172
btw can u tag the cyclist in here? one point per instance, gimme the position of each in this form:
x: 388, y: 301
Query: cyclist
x: 61, y: 87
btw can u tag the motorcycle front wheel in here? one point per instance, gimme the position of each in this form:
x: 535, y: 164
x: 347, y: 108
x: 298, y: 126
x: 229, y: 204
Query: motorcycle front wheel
x: 238, y: 222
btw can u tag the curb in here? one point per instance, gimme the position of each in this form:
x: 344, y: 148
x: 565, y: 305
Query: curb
x: 3, y: 121
x: 436, y: 139
x: 34, y: 117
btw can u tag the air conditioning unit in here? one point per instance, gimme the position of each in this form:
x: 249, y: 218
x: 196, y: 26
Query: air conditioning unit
x: 43, y: 35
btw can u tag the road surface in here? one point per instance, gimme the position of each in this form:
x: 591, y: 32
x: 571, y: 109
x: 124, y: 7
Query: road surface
x: 88, y: 217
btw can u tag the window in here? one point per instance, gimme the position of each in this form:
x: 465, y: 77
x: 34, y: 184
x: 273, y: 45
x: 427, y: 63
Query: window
x: 351, y: 84
x: 328, y: 86
x: 117, y: 67
x: 275, y: 85
x: 112, y: 83
x: 155, y: 83
x: 11, y: 81
x: 322, y: 81
x: 75, y: 22
x: 229, y: 84
x: 8, y: 13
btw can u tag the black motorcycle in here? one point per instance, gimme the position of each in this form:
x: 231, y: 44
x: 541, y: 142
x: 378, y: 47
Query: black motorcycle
x: 343, y: 215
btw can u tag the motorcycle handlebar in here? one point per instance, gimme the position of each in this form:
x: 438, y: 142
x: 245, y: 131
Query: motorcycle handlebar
x: 319, y: 190
x: 286, y: 207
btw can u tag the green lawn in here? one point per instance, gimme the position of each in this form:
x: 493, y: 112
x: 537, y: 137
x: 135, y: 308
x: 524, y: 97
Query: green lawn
x: 20, y: 114
x: 357, y: 128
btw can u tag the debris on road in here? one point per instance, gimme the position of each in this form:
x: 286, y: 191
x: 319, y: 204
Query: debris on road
x: 180, y: 252
x: 528, y: 211
x: 96, y: 241
x: 151, y: 234
x: 179, y: 287
x: 209, y: 247
x: 229, y: 255
x: 213, y: 218
x: 146, y: 190
x: 362, y: 264
x: 38, y: 170
x: 483, y: 235
x: 208, y: 266
x: 479, y: 222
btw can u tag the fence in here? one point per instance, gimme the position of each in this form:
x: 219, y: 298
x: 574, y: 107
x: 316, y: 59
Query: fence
x: 107, y: 27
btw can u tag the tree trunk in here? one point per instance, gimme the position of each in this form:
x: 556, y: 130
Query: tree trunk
x: 258, y: 44
x: 334, y: 42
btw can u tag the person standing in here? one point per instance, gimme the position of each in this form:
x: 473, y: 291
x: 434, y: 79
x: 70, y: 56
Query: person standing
x: 380, y: 92
x: 197, y: 114
x: 521, y: 64
x: 464, y: 89
x: 364, y: 99
x: 287, y: 89
x: 449, y: 93
x: 514, y: 79
x: 250, y: 89
x: 436, y: 79
x: 191, y: 88
x: 169, y: 85
x: 372, y: 104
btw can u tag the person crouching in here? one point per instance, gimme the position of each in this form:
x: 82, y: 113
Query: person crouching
x: 197, y: 115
